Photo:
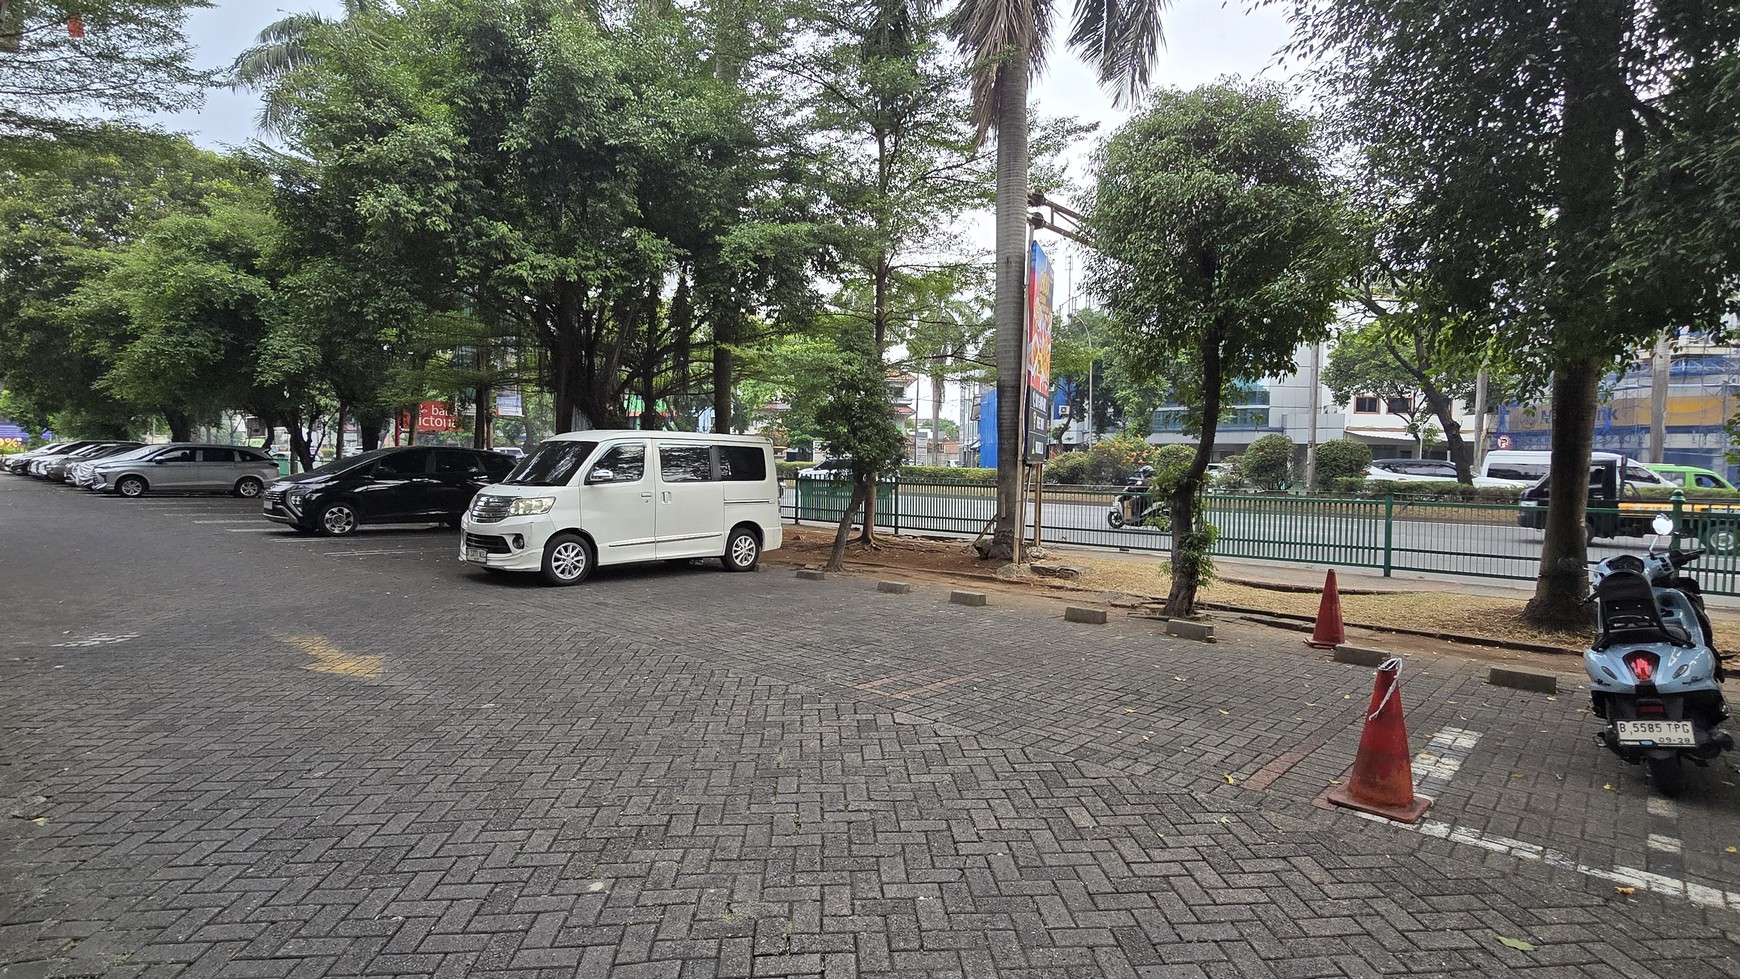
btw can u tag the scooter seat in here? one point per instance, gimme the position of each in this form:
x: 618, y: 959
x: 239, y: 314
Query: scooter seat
x: 1630, y: 615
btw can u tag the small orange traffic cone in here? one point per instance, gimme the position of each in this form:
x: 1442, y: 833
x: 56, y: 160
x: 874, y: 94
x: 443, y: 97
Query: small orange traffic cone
x: 1382, y: 781
x: 1329, y: 631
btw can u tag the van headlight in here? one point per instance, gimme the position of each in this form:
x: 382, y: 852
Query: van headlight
x: 531, y: 506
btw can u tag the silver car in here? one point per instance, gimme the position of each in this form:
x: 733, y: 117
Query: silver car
x: 185, y: 467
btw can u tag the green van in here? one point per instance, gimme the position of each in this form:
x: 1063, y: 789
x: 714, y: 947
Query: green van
x: 1691, y: 476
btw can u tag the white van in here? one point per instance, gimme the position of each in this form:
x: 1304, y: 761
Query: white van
x: 615, y: 497
x: 1514, y: 467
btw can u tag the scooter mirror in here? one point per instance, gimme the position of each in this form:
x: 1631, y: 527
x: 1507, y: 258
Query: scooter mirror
x: 1662, y: 524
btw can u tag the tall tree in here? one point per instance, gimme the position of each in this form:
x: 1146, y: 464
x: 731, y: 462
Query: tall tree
x: 1553, y: 170
x: 1007, y: 41
x: 1222, y: 246
x: 62, y: 63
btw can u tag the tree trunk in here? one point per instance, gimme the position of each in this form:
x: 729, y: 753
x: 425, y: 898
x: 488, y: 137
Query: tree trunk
x: 936, y: 400
x: 1461, y: 454
x: 338, y: 436
x: 1186, y: 562
x: 722, y: 379
x: 836, y: 558
x: 1597, y: 105
x: 368, y: 429
x: 483, y: 423
x: 301, y: 452
x: 1010, y: 311
x: 1564, y: 576
x: 180, y: 426
x: 867, y: 536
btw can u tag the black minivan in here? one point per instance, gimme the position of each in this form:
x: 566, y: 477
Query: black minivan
x: 411, y: 484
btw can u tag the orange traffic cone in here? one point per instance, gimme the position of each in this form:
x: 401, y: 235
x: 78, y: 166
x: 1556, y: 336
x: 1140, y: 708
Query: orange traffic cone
x: 1329, y: 632
x: 1382, y: 782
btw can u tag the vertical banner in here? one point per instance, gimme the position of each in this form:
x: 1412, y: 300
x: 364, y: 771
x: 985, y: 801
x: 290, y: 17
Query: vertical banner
x: 508, y: 403
x: 1038, y: 353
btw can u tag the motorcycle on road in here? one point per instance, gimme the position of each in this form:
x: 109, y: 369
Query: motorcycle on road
x: 1655, y: 675
x: 1135, y: 506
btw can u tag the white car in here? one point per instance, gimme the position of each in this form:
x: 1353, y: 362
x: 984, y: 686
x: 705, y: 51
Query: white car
x: 829, y: 469
x: 512, y: 451
x: 1412, y: 470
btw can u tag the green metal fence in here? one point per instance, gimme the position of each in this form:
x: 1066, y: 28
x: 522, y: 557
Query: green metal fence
x: 1393, y: 534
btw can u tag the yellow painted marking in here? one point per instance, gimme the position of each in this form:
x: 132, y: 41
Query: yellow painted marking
x: 330, y: 659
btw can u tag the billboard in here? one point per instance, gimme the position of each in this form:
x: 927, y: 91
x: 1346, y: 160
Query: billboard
x: 1037, y: 352
x: 432, y: 416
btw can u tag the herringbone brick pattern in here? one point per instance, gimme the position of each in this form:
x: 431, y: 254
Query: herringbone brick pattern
x: 683, y: 773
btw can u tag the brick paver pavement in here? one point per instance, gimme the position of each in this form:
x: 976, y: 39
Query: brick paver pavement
x: 233, y: 753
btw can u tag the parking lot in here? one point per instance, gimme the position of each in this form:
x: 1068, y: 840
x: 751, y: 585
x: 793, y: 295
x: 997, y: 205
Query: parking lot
x: 234, y: 750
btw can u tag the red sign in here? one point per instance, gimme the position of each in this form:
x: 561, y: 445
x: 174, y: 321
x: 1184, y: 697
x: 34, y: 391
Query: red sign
x: 1504, y: 441
x: 432, y: 416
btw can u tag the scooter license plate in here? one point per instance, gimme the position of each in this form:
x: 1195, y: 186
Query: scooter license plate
x: 1676, y: 734
x: 476, y: 555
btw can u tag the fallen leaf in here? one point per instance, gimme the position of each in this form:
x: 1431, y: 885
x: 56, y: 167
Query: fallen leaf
x: 40, y: 820
x: 1516, y: 774
x: 1552, y: 698
x: 1144, y: 737
x: 1129, y: 710
x: 1734, y: 849
x: 1230, y: 780
x: 1182, y: 679
x: 1625, y: 890
x: 1516, y: 943
x: 1226, y: 712
x: 1608, y: 786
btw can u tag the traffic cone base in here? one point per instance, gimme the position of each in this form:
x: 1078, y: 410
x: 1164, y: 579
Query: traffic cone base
x: 1340, y: 795
x: 1329, y: 632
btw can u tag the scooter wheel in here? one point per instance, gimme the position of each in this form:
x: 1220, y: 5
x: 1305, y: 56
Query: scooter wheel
x: 1668, y: 774
x: 1116, y: 519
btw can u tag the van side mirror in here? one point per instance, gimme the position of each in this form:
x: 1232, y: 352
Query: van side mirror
x: 600, y: 475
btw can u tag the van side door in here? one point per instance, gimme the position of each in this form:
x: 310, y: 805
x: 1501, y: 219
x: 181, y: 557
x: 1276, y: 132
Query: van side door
x: 617, y: 504
x: 691, y: 502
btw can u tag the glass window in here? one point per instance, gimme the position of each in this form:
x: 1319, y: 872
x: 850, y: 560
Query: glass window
x: 742, y: 463
x: 626, y: 463
x: 451, y: 461
x: 174, y: 455
x: 217, y: 455
x: 685, y: 463
x: 406, y: 462
x: 1365, y: 406
x: 1400, y: 406
x: 498, y: 464
x: 244, y: 455
x: 1707, y: 482
x: 1516, y: 471
x: 553, y: 463
x: 1638, y: 473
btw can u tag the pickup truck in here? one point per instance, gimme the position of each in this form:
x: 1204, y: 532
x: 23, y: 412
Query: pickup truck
x: 1617, y: 508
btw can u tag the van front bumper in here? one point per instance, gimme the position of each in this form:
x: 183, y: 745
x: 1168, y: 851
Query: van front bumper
x: 514, y: 544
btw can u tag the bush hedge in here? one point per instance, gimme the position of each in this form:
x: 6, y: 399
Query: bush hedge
x: 1375, y: 489
x: 1342, y: 459
x: 1268, y: 463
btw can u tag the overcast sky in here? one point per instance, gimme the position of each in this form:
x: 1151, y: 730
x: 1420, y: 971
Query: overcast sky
x: 1206, y: 39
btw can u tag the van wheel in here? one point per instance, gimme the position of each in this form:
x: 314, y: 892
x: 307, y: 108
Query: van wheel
x: 567, y: 559
x: 1722, y: 539
x: 130, y: 486
x: 248, y: 487
x: 742, y: 551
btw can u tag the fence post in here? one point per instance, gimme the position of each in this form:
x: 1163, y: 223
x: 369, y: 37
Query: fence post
x: 797, y: 501
x: 894, y: 501
x: 1679, y: 501
x: 1389, y: 528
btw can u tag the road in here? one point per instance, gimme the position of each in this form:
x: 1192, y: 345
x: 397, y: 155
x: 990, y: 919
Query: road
x: 227, y: 750
x: 1470, y: 540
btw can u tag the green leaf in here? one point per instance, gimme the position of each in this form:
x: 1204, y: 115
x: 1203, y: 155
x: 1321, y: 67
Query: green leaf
x: 1516, y: 943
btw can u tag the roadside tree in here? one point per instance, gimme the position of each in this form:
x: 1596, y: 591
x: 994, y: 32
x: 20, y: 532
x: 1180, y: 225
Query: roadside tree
x: 1268, y: 463
x: 1222, y: 245
x: 1342, y: 459
x: 1564, y: 184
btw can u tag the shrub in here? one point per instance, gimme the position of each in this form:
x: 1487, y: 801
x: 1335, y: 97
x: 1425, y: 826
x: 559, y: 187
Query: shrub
x: 1342, y: 459
x: 949, y: 474
x: 1071, y: 468
x: 1268, y: 463
x: 1112, y: 460
x: 1375, y: 489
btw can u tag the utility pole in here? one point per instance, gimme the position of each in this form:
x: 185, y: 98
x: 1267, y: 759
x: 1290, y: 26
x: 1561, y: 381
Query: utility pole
x: 1660, y: 372
x: 1479, y: 420
x: 1311, y: 440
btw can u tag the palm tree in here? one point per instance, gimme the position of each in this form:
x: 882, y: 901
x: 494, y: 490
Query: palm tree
x: 281, y: 48
x: 1007, y: 40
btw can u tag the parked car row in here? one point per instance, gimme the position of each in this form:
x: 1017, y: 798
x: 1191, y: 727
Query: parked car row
x: 577, y: 501
x: 132, y: 469
x: 1524, y: 469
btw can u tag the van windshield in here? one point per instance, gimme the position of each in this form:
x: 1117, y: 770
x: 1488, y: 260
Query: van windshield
x: 552, y: 464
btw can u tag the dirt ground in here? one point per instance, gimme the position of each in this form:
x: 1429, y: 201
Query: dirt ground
x: 1473, y: 620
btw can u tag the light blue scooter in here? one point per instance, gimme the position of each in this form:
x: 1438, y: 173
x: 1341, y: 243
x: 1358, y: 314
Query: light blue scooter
x: 1656, y: 675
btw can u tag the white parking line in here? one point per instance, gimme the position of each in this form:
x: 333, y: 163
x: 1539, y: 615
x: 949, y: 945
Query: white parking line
x: 253, y: 530
x: 391, y: 550
x: 1442, y: 759
x: 232, y: 520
